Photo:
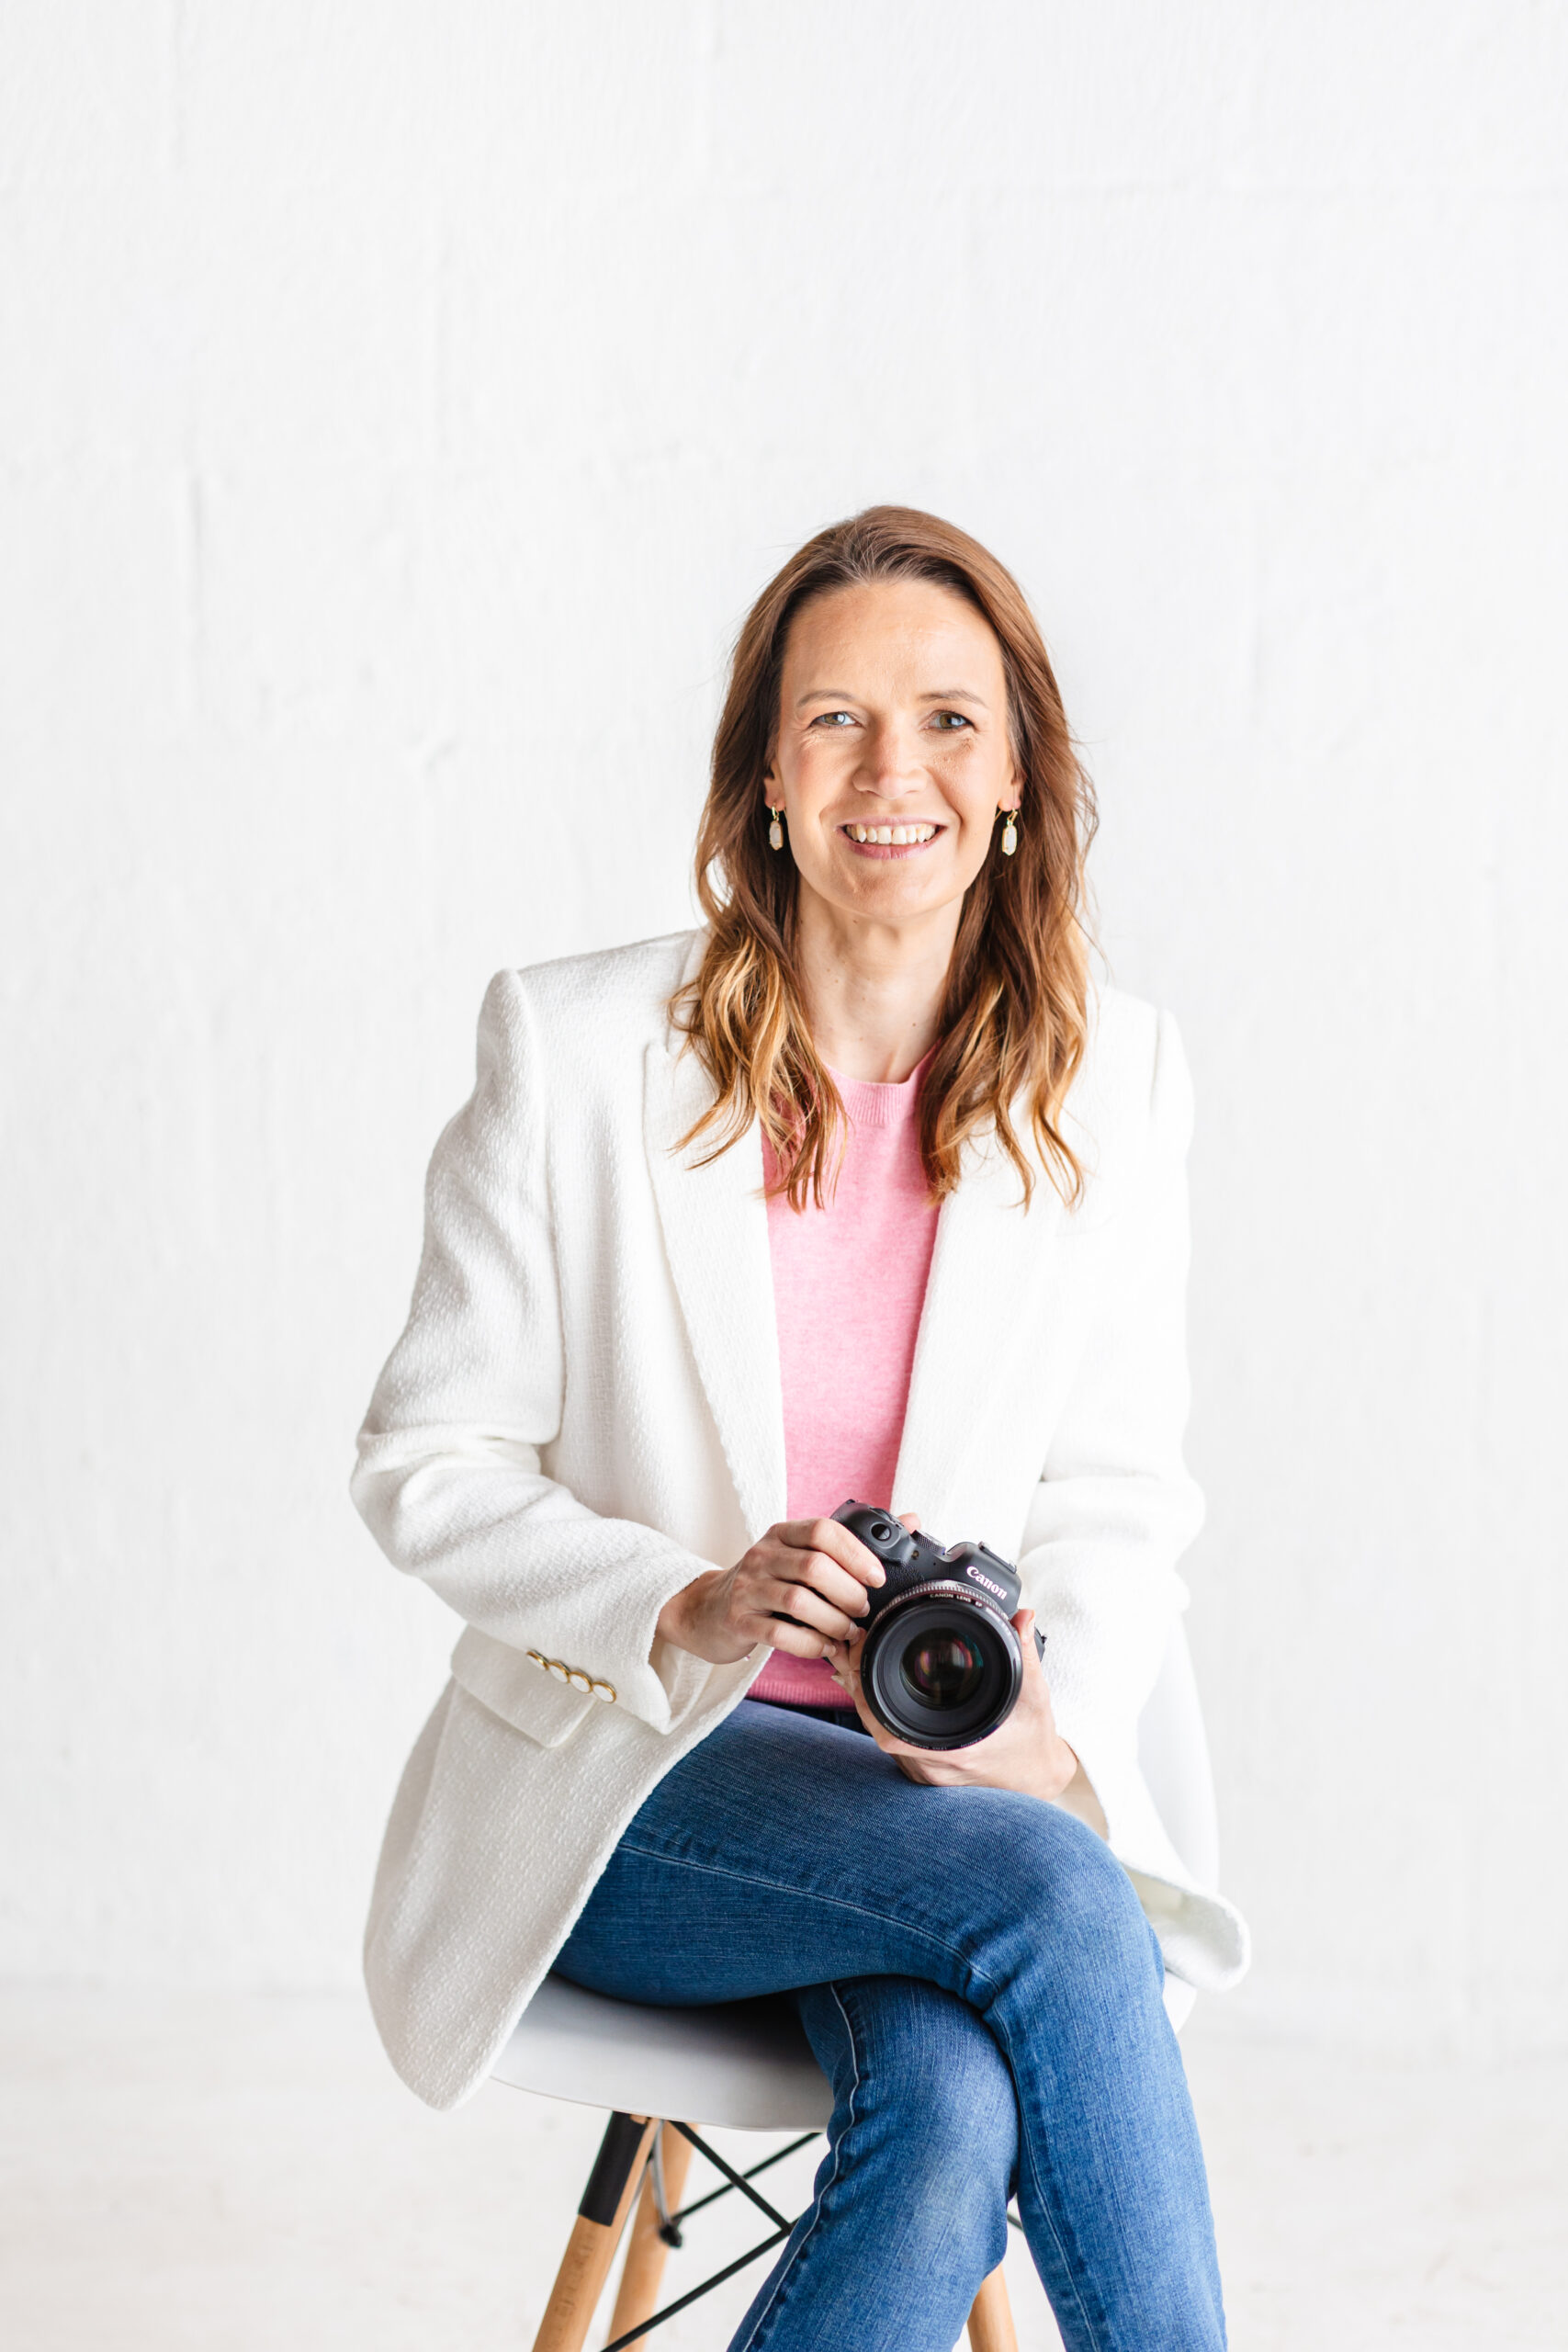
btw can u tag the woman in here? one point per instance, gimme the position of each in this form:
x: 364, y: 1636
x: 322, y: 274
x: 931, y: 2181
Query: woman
x: 854, y: 1193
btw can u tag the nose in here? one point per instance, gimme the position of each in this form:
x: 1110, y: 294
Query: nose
x: 890, y: 764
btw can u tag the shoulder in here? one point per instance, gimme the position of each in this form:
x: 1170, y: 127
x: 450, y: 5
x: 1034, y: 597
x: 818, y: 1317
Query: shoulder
x: 592, y: 1007
x: 1132, y: 1094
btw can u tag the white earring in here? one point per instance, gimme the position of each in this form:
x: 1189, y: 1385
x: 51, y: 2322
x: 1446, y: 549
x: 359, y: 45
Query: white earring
x: 775, y: 830
x: 1009, y: 832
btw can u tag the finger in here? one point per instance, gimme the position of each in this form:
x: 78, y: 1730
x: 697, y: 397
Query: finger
x: 828, y: 1535
x: 846, y: 1664
x: 847, y: 1668
x: 835, y: 1543
x: 796, y: 1641
x: 1023, y: 1626
x: 910, y: 1520
x: 809, y: 1608
x: 825, y: 1576
x: 890, y: 1742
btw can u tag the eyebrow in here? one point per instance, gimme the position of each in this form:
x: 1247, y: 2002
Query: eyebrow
x: 842, y: 693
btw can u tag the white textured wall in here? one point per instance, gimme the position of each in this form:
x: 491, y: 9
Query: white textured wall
x: 398, y: 407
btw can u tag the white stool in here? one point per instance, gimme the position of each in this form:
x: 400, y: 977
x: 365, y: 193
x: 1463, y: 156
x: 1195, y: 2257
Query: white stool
x: 747, y: 2066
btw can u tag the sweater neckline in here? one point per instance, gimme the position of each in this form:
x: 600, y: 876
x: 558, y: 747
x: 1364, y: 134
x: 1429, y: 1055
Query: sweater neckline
x: 875, y: 1102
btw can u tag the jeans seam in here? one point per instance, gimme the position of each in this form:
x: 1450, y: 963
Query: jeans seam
x: 1070, y: 2266
x: 834, y: 1902
x: 820, y: 2199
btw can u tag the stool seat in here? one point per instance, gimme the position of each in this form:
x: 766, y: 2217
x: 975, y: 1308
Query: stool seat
x: 746, y: 2064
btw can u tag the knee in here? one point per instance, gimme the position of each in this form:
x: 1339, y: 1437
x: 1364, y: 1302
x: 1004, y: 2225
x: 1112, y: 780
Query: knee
x: 932, y: 2100
x: 1086, y: 1912
x: 956, y: 2124
x: 950, y: 2163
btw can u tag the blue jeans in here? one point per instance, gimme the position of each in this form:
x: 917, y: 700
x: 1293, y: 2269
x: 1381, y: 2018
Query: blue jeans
x: 984, y: 1995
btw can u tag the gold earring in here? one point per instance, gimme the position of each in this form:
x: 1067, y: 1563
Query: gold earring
x: 775, y: 830
x: 1009, y: 832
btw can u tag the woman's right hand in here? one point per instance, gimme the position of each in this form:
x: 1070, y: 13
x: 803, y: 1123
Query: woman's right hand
x: 809, y: 1570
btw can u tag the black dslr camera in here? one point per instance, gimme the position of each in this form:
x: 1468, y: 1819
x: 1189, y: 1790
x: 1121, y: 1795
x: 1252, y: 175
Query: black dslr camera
x: 941, y: 1665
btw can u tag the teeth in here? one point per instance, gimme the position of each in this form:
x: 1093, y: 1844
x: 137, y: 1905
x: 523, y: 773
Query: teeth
x: 894, y: 836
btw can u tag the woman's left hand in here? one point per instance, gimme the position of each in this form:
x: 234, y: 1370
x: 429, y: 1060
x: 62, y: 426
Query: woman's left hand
x: 1026, y: 1753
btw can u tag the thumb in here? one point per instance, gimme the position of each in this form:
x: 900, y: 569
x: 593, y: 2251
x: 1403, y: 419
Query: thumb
x: 1023, y: 1626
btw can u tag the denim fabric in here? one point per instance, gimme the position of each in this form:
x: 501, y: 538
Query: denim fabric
x: 984, y: 1995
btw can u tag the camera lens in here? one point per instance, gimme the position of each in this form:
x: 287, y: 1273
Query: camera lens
x: 940, y: 1669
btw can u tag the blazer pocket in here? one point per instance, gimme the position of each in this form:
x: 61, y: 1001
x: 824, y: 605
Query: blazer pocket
x: 524, y: 1694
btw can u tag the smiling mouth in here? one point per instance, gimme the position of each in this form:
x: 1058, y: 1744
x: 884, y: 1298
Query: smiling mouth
x: 892, y: 837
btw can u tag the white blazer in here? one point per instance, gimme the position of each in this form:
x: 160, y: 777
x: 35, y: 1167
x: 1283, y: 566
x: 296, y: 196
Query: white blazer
x: 583, y: 1412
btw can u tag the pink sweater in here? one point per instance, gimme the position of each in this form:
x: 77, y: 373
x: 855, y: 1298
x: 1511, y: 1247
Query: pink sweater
x: 849, y: 1284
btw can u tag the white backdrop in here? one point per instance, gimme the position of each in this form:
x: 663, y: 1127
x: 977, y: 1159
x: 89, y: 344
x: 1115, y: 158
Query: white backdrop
x: 399, y: 406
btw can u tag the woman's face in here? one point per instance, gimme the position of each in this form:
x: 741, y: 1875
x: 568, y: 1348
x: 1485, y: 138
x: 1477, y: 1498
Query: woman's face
x: 893, y: 754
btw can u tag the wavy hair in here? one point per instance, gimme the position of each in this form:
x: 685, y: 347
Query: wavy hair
x: 1014, y: 1019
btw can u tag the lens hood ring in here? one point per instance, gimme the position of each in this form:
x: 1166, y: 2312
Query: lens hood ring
x: 933, y: 1726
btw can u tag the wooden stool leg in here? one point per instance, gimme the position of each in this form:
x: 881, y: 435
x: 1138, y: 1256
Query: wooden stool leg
x: 595, y: 2233
x: 990, y: 2317
x: 648, y: 2253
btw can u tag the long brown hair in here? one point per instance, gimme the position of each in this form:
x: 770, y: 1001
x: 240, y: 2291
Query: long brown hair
x: 1014, y: 1019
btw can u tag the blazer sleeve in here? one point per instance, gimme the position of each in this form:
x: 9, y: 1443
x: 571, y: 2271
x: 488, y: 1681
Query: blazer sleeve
x: 449, y: 1475
x: 1115, y: 1508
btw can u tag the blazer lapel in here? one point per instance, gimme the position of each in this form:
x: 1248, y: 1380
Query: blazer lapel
x: 715, y: 1223
x: 987, y: 1311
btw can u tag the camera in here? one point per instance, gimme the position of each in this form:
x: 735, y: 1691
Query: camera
x: 941, y: 1665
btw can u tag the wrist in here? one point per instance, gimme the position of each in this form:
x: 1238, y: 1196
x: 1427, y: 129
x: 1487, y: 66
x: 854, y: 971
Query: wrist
x: 677, y: 1620
x: 1077, y: 1795
x: 693, y: 1620
x: 1061, y: 1769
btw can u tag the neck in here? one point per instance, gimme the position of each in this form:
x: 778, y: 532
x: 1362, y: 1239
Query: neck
x: 873, y: 991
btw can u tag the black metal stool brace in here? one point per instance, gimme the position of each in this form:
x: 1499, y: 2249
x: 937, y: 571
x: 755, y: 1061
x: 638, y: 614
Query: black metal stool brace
x: 660, y: 2153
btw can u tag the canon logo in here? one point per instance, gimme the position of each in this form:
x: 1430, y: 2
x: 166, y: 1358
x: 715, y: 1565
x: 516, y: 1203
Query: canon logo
x: 1000, y: 1591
